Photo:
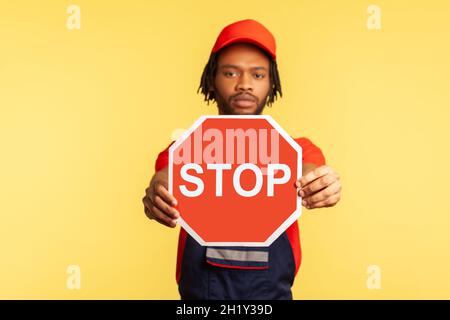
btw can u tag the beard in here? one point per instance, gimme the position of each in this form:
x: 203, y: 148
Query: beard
x: 226, y: 108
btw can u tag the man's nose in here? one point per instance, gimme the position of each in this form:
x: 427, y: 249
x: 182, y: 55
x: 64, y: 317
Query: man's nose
x: 245, y: 83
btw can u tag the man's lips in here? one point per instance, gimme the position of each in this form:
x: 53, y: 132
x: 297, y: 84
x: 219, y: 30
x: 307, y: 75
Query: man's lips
x: 244, y: 101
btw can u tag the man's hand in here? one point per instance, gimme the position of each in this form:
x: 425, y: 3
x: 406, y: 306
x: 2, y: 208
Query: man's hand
x: 319, y: 188
x: 158, y: 202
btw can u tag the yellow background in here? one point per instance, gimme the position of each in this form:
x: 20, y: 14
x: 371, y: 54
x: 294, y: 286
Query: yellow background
x: 83, y: 114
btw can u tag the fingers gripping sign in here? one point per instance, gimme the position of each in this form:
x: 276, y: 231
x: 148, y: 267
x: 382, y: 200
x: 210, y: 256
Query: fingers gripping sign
x: 159, y: 204
x: 320, y: 188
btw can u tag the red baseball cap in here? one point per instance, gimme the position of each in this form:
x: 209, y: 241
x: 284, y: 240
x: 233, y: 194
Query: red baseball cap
x: 249, y: 31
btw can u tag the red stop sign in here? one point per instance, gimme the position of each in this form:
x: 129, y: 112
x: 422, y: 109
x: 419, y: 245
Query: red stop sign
x: 234, y: 179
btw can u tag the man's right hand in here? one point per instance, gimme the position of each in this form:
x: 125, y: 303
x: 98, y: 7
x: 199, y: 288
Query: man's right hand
x: 158, y: 202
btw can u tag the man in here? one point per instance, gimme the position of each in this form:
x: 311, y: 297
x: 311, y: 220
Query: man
x: 242, y: 77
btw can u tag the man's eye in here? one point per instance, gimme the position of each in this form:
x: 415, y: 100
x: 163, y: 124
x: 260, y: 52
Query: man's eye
x: 259, y: 75
x: 229, y: 74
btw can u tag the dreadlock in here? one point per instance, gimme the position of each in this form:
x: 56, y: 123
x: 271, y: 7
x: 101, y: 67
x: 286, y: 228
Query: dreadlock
x: 209, y: 73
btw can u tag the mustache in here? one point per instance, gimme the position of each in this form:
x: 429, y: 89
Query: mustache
x: 244, y: 96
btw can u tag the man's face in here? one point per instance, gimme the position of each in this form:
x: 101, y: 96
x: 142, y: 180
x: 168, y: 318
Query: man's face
x: 242, y: 80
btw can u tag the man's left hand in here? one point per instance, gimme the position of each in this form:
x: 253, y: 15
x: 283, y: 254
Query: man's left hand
x: 319, y: 188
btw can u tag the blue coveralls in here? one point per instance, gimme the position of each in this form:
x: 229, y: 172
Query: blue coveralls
x: 204, y: 275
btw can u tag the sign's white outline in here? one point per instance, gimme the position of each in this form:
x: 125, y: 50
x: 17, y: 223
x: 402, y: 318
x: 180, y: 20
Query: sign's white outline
x: 292, y: 218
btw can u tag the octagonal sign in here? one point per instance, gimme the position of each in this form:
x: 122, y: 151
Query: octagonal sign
x: 234, y: 180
